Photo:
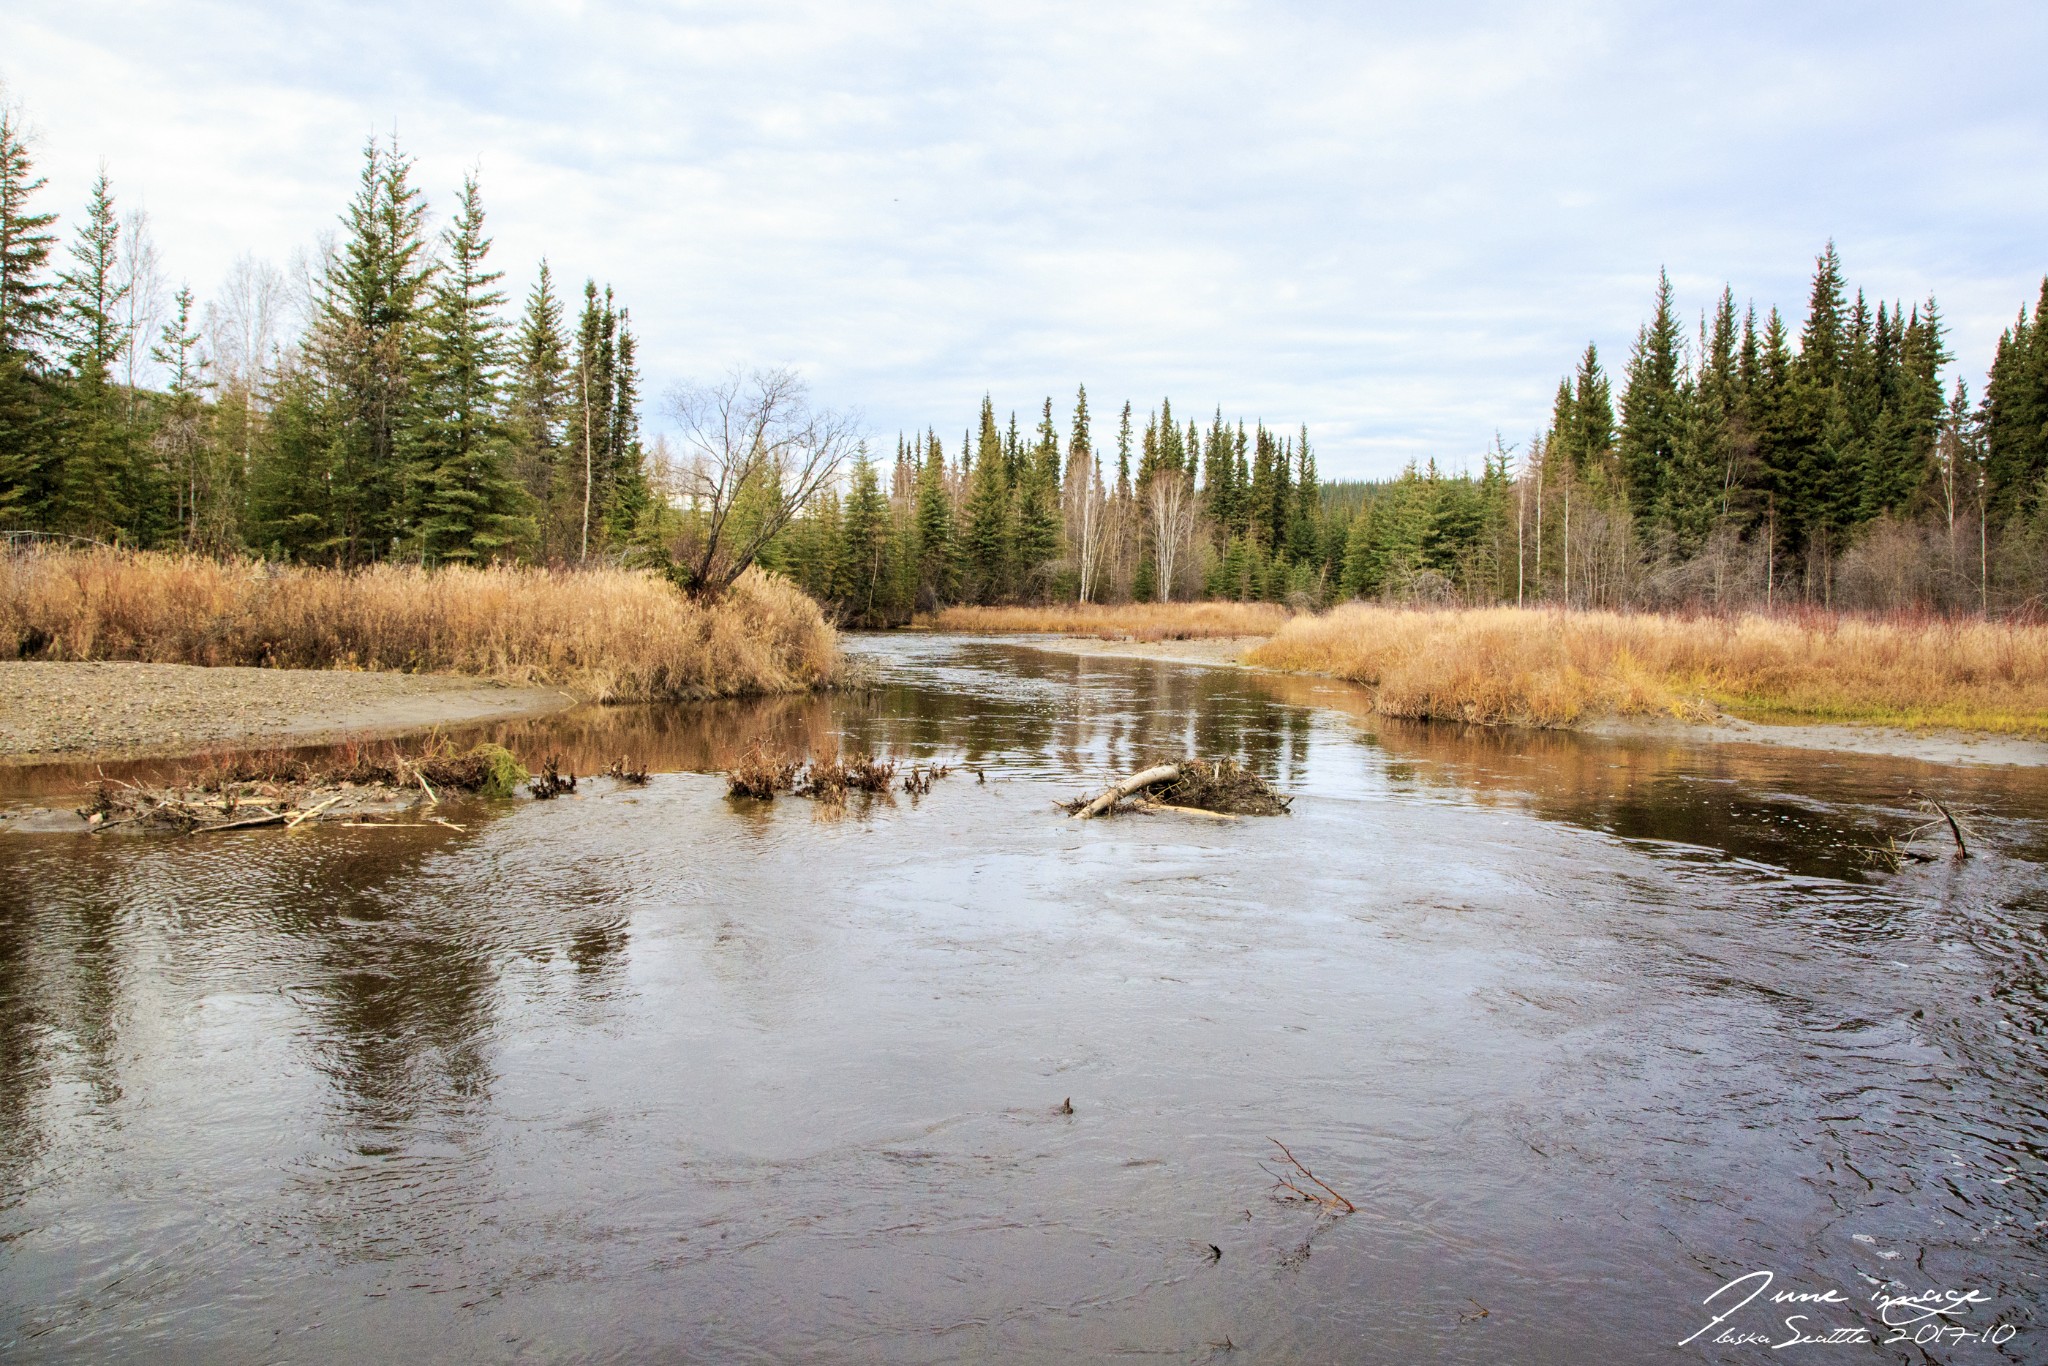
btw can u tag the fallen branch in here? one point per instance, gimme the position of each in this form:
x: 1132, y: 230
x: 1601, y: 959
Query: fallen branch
x: 1186, y: 810
x: 1962, y: 849
x: 1137, y: 782
x: 1329, y: 1200
x: 312, y: 811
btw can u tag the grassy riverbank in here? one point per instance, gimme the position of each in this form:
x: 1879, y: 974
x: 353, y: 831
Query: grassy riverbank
x: 1552, y: 668
x: 607, y: 634
x: 1120, y: 621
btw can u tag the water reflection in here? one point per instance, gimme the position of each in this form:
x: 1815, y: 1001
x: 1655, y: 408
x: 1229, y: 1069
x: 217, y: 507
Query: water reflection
x: 643, y: 1072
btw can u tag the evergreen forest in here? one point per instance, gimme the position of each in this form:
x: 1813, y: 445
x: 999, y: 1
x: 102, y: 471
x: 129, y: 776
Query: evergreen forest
x: 388, y: 399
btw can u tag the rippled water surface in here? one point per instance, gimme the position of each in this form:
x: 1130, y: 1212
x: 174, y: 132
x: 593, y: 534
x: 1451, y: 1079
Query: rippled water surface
x: 1583, y: 1028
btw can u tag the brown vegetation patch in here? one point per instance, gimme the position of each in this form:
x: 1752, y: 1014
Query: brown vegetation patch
x: 758, y: 777
x: 826, y: 779
x: 611, y: 634
x: 1547, y: 667
x: 1121, y: 621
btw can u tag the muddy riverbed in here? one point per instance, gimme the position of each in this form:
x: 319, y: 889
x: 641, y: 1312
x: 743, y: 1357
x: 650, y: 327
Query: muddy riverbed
x: 1585, y: 1028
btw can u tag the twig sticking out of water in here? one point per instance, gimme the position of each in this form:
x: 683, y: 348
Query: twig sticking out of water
x: 1954, y: 828
x: 1898, y: 852
x: 1329, y: 1199
x: 626, y: 771
x: 552, y: 782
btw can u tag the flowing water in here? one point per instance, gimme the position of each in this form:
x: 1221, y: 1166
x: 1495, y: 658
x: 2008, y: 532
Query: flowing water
x: 1584, y: 1029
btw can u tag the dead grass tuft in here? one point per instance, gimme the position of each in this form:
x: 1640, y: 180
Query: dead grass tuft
x: 828, y: 779
x: 831, y: 779
x: 612, y: 635
x: 1507, y: 666
x: 758, y: 777
x: 1122, y: 621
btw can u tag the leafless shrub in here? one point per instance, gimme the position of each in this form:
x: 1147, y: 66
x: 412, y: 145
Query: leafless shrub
x: 754, y: 451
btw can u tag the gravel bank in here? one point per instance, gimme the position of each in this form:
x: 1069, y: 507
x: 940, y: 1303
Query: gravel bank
x: 125, y: 710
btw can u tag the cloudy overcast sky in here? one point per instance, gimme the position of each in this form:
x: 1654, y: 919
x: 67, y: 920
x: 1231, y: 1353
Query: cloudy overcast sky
x: 1397, y: 223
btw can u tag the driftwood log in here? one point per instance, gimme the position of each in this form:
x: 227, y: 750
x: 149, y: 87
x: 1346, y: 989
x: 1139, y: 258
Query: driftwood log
x: 1137, y: 782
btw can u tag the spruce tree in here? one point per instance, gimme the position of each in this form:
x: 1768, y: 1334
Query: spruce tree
x: 292, y: 504
x: 933, y: 519
x: 100, y: 488
x: 1592, y: 443
x: 204, y: 488
x: 538, y: 397
x: 629, y: 503
x: 1774, y: 423
x: 1037, y: 517
x: 1651, y: 416
x: 472, y: 508
x: 2014, y: 416
x: 1304, y: 532
x: 364, y: 346
x: 1219, y: 477
x: 1123, y: 455
x: 27, y: 465
x: 988, y: 530
x: 1080, y: 448
x: 862, y: 569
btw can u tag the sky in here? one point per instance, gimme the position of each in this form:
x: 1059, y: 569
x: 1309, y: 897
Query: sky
x: 1396, y: 223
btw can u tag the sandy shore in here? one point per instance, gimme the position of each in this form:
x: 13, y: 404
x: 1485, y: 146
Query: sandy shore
x: 126, y: 710
x: 1939, y: 747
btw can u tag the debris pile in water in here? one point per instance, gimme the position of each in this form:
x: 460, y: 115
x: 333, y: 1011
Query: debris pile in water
x: 1223, y: 785
x: 245, y: 790
x: 1219, y: 786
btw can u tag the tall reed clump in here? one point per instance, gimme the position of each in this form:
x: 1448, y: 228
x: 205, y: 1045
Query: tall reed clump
x: 1553, y: 668
x: 1132, y: 620
x: 613, y: 635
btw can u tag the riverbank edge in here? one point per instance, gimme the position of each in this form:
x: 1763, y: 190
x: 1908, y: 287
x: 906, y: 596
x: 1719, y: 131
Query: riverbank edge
x: 69, y: 712
x: 1932, y: 746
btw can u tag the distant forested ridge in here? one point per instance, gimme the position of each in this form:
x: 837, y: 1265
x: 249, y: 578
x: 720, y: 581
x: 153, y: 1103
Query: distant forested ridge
x: 378, y: 406
x: 1733, y: 463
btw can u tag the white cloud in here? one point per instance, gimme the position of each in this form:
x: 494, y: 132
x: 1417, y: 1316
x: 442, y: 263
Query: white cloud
x: 1396, y: 223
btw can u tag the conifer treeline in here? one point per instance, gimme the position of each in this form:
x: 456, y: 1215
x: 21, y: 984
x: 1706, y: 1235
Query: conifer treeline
x: 1739, y: 465
x: 407, y: 420
x: 1738, y: 461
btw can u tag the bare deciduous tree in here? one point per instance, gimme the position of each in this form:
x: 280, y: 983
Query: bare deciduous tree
x: 1171, y: 502
x: 754, y: 450
x: 242, y: 323
x: 141, y: 278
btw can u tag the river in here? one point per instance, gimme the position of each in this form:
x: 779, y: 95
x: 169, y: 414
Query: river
x: 1585, y: 1029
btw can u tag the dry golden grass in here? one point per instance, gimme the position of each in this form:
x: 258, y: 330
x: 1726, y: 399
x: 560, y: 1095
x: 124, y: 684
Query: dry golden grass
x: 1122, y: 621
x: 1550, y: 668
x: 610, y: 634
